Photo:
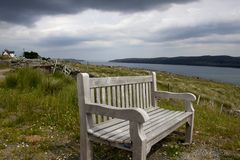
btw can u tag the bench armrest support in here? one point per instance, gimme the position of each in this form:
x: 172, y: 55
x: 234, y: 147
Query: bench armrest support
x: 132, y: 114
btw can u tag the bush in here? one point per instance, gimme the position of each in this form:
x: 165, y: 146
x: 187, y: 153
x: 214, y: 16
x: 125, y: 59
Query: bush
x: 31, y: 55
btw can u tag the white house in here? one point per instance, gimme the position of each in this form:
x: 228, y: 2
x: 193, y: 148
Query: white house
x: 8, y: 53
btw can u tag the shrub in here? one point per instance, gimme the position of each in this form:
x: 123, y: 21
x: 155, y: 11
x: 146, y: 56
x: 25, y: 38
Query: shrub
x: 31, y: 55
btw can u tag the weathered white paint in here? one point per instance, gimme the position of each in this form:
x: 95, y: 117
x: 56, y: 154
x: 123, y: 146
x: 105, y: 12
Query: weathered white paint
x: 137, y: 123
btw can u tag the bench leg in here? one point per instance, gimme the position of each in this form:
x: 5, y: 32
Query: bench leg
x: 139, y: 146
x: 189, y: 130
x: 139, y: 152
x: 85, y: 148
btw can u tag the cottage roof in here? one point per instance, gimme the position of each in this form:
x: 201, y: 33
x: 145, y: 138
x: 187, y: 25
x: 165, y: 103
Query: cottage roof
x: 9, y: 52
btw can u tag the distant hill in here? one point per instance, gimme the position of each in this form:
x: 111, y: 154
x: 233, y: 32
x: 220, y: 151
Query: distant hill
x: 218, y: 61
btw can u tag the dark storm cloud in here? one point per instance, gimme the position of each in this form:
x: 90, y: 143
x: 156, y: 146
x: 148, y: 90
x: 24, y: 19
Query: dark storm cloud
x: 166, y: 35
x: 68, y: 40
x: 202, y: 30
x: 27, y: 11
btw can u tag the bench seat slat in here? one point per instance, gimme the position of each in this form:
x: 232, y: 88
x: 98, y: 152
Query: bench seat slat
x: 158, y: 119
x: 106, y: 129
x: 156, y: 116
x: 167, y: 128
x: 124, y: 131
x: 108, y: 132
x: 108, y: 124
x: 161, y: 121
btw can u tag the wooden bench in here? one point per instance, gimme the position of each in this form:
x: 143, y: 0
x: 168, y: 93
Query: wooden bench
x: 122, y: 112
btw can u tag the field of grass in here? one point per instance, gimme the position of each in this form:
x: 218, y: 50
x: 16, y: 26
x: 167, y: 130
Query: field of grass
x: 4, y: 66
x: 39, y: 116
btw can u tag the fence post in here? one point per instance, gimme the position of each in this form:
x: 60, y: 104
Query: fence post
x: 55, y: 66
x: 198, y: 99
x: 221, y: 108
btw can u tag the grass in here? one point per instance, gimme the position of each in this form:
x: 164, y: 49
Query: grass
x: 37, y: 103
x: 4, y: 66
x: 35, y: 95
x: 4, y: 62
x: 39, y: 115
x: 4, y: 57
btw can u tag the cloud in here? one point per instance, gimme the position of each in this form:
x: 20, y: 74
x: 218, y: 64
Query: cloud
x: 62, y: 41
x: 90, y: 30
x: 195, y: 31
x: 28, y: 11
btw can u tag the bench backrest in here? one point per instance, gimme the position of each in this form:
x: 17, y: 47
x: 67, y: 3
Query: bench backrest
x: 123, y: 92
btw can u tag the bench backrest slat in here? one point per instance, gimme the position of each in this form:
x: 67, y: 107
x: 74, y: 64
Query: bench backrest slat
x: 126, y: 96
x: 93, y: 100
x: 123, y: 92
x: 112, y: 81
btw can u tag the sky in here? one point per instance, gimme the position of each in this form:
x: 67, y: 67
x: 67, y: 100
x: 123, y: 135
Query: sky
x: 101, y: 30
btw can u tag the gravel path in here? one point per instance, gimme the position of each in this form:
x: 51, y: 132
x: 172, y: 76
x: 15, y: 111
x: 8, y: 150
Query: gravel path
x: 200, y: 153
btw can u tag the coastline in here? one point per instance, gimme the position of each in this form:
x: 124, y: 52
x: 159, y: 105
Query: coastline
x: 184, y: 70
x: 227, y: 66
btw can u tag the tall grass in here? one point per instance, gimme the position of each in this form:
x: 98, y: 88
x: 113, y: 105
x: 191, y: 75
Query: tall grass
x: 24, y: 79
x: 35, y: 96
x: 36, y: 99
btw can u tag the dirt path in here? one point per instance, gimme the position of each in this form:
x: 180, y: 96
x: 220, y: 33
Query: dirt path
x: 2, y: 73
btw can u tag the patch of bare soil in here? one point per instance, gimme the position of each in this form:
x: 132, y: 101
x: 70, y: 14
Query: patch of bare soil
x: 34, y: 138
x: 209, y: 153
x: 200, y: 153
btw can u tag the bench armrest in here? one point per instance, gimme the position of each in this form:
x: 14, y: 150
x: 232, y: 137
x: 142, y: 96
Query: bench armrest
x: 181, y: 96
x: 131, y: 114
x: 187, y: 97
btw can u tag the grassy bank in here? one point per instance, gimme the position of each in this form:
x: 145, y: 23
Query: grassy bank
x: 4, y: 65
x: 39, y: 115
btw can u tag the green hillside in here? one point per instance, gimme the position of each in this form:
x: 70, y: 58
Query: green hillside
x: 39, y: 116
